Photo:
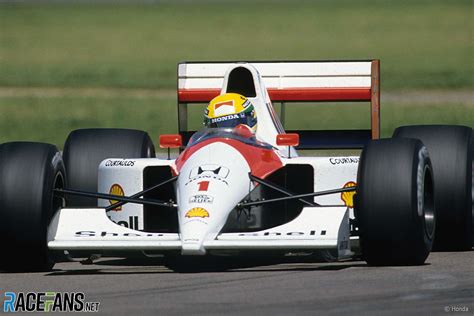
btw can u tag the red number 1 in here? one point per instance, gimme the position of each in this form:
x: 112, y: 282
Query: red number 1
x: 203, y: 185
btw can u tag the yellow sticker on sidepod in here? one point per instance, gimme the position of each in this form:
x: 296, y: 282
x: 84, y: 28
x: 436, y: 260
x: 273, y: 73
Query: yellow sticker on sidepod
x: 348, y: 197
x: 116, y: 189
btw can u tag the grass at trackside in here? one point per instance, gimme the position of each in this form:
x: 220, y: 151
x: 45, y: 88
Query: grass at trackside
x: 421, y: 44
x: 50, y: 119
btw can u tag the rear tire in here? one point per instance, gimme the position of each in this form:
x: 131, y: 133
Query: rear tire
x: 394, y: 202
x: 28, y: 174
x: 85, y: 149
x: 451, y: 152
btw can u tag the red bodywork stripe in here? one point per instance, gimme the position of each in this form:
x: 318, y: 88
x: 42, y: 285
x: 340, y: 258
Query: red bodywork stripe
x: 197, y: 95
x: 288, y: 94
x: 262, y: 162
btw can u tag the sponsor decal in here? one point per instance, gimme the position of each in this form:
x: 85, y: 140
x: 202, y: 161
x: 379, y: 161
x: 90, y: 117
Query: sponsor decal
x: 120, y: 163
x: 343, y: 160
x: 348, y: 197
x: 197, y: 212
x: 132, y: 222
x: 277, y: 233
x: 196, y: 219
x: 47, y: 302
x: 213, y: 170
x: 104, y: 233
x: 116, y: 189
x: 203, y: 185
x: 225, y: 118
x: 209, y: 172
x: 201, y: 198
x: 270, y: 234
x: 192, y: 240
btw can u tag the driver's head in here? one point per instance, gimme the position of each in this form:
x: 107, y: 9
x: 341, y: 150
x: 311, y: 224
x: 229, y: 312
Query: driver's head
x: 230, y: 110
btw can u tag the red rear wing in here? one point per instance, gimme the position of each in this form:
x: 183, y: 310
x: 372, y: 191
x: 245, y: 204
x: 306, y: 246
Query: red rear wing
x: 306, y: 81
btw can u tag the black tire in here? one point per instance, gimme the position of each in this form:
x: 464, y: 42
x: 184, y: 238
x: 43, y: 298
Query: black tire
x: 450, y: 149
x: 28, y: 174
x: 394, y: 202
x: 85, y: 149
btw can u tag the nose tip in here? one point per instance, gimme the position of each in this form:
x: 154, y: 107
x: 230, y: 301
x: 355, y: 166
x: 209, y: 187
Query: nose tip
x: 193, y: 235
x: 194, y: 248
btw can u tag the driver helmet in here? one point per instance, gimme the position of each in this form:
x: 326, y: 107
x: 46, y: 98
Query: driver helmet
x: 230, y: 110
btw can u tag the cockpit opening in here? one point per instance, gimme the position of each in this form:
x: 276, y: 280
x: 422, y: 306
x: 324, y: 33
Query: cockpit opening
x: 241, y: 81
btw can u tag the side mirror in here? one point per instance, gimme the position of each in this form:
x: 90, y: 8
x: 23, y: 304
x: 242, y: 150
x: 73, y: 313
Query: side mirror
x: 291, y: 139
x: 170, y: 141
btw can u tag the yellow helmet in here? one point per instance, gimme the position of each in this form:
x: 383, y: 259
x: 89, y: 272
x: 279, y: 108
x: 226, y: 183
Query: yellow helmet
x: 230, y: 110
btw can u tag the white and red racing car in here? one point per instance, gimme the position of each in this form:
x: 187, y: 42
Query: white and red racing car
x: 232, y: 193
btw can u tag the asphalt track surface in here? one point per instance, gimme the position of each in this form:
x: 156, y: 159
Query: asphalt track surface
x: 444, y: 285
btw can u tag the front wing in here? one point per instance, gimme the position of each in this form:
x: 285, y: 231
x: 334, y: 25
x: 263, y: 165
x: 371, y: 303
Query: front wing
x: 91, y: 230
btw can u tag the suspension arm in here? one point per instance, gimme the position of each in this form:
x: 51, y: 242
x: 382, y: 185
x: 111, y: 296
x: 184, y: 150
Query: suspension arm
x: 139, y: 194
x: 299, y: 196
x: 279, y: 189
x: 120, y: 198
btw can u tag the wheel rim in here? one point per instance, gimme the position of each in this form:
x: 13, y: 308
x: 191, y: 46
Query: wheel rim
x: 58, y: 201
x: 428, y: 202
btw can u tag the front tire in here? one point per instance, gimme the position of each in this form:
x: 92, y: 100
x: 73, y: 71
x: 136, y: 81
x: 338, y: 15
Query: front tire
x: 394, y: 202
x: 85, y: 149
x: 28, y: 174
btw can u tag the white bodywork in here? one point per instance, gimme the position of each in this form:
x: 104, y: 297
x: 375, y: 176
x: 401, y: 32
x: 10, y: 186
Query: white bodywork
x: 195, y: 230
x: 316, y: 228
x: 280, y: 75
x: 90, y: 229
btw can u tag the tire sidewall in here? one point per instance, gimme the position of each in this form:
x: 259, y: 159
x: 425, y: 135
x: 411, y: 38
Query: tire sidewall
x: 85, y: 149
x: 390, y: 206
x: 28, y: 212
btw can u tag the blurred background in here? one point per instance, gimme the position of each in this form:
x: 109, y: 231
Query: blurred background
x: 78, y: 64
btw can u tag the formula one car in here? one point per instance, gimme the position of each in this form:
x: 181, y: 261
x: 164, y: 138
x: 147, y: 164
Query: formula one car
x: 232, y: 193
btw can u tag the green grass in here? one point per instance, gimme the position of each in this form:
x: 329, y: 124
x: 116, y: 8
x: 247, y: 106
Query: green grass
x: 50, y: 119
x: 421, y: 44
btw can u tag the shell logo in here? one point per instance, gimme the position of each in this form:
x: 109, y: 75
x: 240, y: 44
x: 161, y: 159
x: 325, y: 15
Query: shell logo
x: 116, y: 189
x: 197, y: 212
x: 348, y: 197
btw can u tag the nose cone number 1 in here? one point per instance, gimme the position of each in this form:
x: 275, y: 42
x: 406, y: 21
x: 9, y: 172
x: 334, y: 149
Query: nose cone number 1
x: 203, y: 185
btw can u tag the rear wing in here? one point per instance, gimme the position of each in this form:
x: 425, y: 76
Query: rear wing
x: 299, y: 81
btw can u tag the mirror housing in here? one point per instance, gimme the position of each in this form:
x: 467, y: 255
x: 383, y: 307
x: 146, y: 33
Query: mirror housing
x: 291, y: 139
x: 171, y: 141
